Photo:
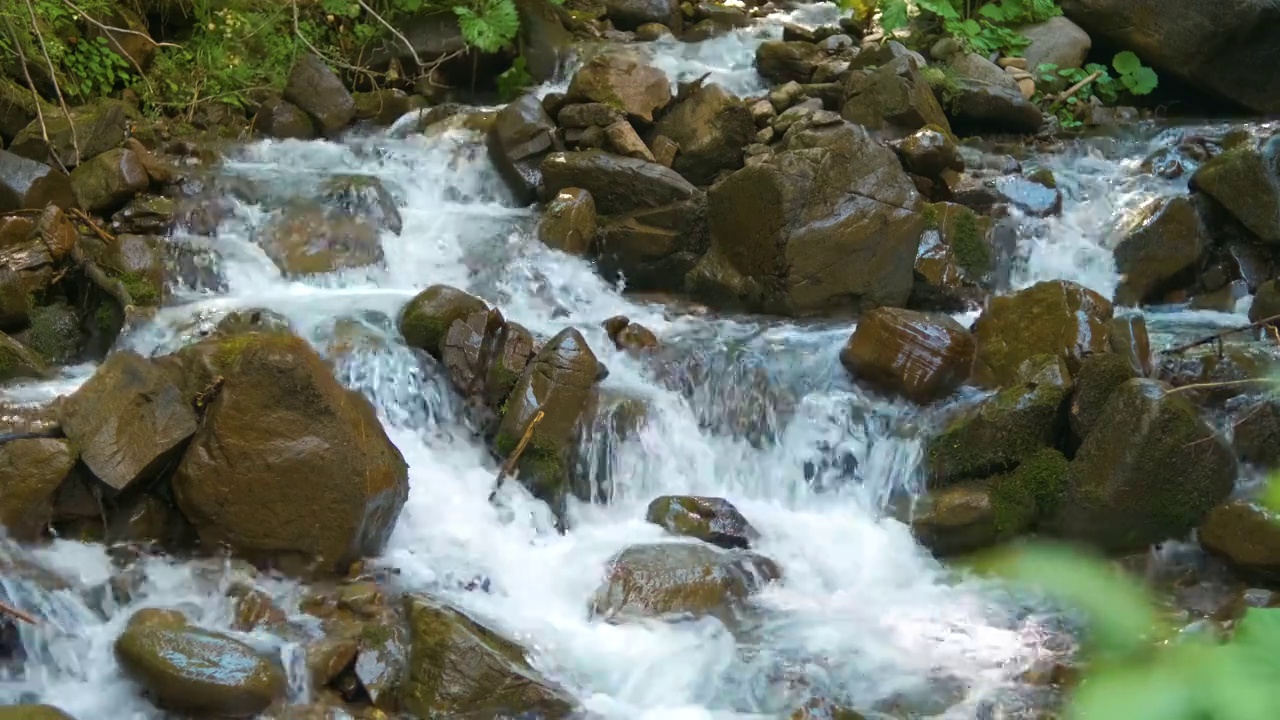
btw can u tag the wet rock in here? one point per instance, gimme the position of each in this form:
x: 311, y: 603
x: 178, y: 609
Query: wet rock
x: 545, y: 42
x: 1226, y: 373
x: 1057, y: 317
x: 920, y: 356
x: 624, y: 140
x: 190, y: 670
x: 1266, y: 302
x: 238, y: 489
x: 650, y: 32
x: 585, y: 115
x: 631, y: 14
x: 27, y: 184
x: 1002, y: 431
x: 829, y: 222
x: 315, y: 88
x: 709, y: 519
x: 106, y: 182
x: 984, y: 195
x: 711, y: 127
x: 149, y: 519
x: 129, y: 421
x: 485, y: 355
x: 1097, y: 379
x: 569, y: 223
x: 307, y: 239
x: 521, y: 137
x: 1056, y: 41
x: 668, y: 579
x: 1150, y: 476
x: 1160, y: 250
x: 459, y: 668
x: 1255, y: 433
x: 652, y: 224
x: 98, y: 127
x: 18, y: 108
x: 145, y: 215
x: 1205, y: 44
x: 560, y: 382
x: 1247, y: 535
x: 1127, y: 336
x: 1246, y: 181
x: 384, y: 107
x: 929, y: 152
x: 32, y: 712
x: 362, y: 196
x: 985, y: 96
x: 425, y: 320
x: 780, y: 61
x: 894, y: 98
x: 283, y: 120
x: 627, y: 335
x: 622, y: 82
x: 955, y: 258
x: 818, y: 709
x: 31, y: 469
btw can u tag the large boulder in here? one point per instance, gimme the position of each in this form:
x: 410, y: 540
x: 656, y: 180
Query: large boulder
x: 315, y: 88
x: 198, y: 672
x: 1246, y: 535
x: 1149, y: 472
x: 709, y: 519
x: 425, y: 320
x: 781, y: 61
x: 920, y: 356
x: 18, y: 361
x: 91, y: 129
x: 652, y: 224
x: 237, y: 486
x: 957, y: 254
x: 1246, y: 181
x: 106, y: 182
x: 622, y: 81
x: 545, y: 44
x: 1004, y: 430
x: 679, y: 579
x: 1160, y: 250
x: 1056, y: 317
x: 32, y: 712
x: 1225, y: 47
x: 27, y: 184
x: 18, y: 108
x: 364, y: 197
x: 306, y: 238
x: 829, y: 222
x: 569, y: 223
x: 894, y: 98
x: 984, y: 96
x: 129, y: 421
x: 31, y: 469
x: 282, y: 119
x: 559, y: 383
x: 484, y: 356
x: 1056, y: 41
x: 520, y: 138
x: 459, y: 668
x: 711, y: 126
x: 631, y: 14
x: 1098, y: 378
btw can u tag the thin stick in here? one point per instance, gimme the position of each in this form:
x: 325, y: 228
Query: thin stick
x: 97, y: 229
x: 109, y: 31
x: 1074, y: 89
x: 112, y: 28
x: 509, y: 467
x: 108, y: 284
x: 408, y: 45
x: 1220, y: 384
x: 53, y: 77
x: 31, y: 85
x: 1219, y: 335
x: 10, y: 610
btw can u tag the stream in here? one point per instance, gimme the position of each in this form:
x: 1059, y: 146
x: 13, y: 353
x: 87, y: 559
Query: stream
x: 754, y: 410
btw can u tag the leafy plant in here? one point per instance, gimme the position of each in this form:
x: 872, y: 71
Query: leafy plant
x: 982, y: 26
x: 513, y: 80
x: 488, y: 25
x: 1095, y: 81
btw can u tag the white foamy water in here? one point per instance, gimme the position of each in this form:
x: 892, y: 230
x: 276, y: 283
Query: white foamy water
x: 862, y: 616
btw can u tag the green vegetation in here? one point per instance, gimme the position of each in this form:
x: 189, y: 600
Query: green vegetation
x: 981, y: 27
x: 1094, y: 80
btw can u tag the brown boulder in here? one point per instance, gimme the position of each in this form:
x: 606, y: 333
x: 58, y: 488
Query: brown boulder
x: 1160, y: 250
x: 920, y: 356
x: 426, y: 319
x: 1247, y: 535
x: 894, y: 98
x: 709, y: 519
x: 315, y: 88
x: 307, y: 239
x: 520, y: 138
x: 780, y: 61
x: 622, y: 82
x: 93, y: 129
x: 31, y: 470
x: 27, y: 184
x: 108, y: 181
x: 1055, y: 317
x: 284, y: 120
x: 569, y: 223
x: 711, y: 126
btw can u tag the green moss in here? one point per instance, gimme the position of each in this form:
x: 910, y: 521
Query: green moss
x: 376, y: 633
x: 944, y: 84
x: 141, y: 289
x: 930, y: 215
x: 54, y: 333
x: 969, y: 244
x: 1043, y: 176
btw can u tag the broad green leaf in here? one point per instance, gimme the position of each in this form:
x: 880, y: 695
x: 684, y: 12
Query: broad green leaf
x: 971, y: 27
x: 1271, y: 497
x: 893, y: 15
x: 1121, y: 616
x: 944, y: 9
x: 1135, y: 692
x: 995, y: 13
x: 1142, y: 81
x: 1126, y: 62
x: 1240, y: 684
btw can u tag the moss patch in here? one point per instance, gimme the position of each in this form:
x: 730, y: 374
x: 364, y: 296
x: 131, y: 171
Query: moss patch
x: 930, y: 216
x: 141, y: 289
x: 944, y: 84
x: 969, y: 244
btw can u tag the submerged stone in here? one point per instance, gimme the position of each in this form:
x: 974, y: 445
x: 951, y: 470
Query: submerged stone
x: 709, y: 519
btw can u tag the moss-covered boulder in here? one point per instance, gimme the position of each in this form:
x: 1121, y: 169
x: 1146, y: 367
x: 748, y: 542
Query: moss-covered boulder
x: 920, y: 356
x: 93, y: 129
x: 425, y: 320
x: 1099, y: 376
x: 1246, y: 181
x: 1255, y: 433
x: 999, y: 433
x: 239, y: 489
x: 711, y: 126
x: 106, y: 182
x: 956, y: 256
x: 129, y: 421
x: 196, y: 671
x: 1149, y: 472
x: 1127, y: 336
x: 31, y: 469
x: 780, y: 61
x: 459, y: 668
x: 560, y: 382
x: 622, y: 81
x: 569, y: 223
x: 894, y: 99
x: 32, y: 712
x: 679, y: 579
x: 1056, y: 317
x: 709, y: 519
x: 54, y: 333
x: 279, y: 118
x: 315, y: 88
x: 18, y: 361
x: 1246, y: 535
x: 1160, y: 250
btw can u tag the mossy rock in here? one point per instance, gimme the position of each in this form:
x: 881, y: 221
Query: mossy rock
x: 18, y: 361
x: 1247, y: 535
x: 1003, y: 430
x: 1099, y: 376
x: 31, y: 470
x: 459, y: 668
x: 963, y: 518
x: 199, y: 672
x: 32, y: 712
x: 54, y: 333
x: 709, y: 519
x: 1056, y: 317
x: 425, y: 321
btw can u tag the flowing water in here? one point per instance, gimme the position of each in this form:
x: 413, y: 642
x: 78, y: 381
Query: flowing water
x: 759, y: 412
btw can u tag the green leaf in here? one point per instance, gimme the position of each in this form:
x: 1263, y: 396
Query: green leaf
x: 1162, y: 691
x: 893, y: 15
x: 994, y: 13
x: 1126, y: 62
x: 942, y: 8
x: 1142, y: 81
x: 1121, y: 616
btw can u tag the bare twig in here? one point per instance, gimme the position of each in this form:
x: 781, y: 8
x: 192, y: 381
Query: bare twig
x: 105, y: 282
x: 1074, y: 89
x: 509, y: 467
x: 1219, y: 335
x: 12, y: 611
x: 53, y: 78
x: 408, y: 45
x: 112, y: 28
x: 95, y: 227
x: 110, y: 33
x: 31, y: 85
x: 1219, y: 384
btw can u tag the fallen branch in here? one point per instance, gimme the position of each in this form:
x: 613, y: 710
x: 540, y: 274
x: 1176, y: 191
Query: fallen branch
x: 97, y: 229
x: 1219, y: 384
x: 1220, y: 335
x: 105, y: 282
x: 509, y: 467
x: 31, y: 85
x: 1071, y: 91
x: 12, y: 611
x: 57, y: 89
x: 408, y: 45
